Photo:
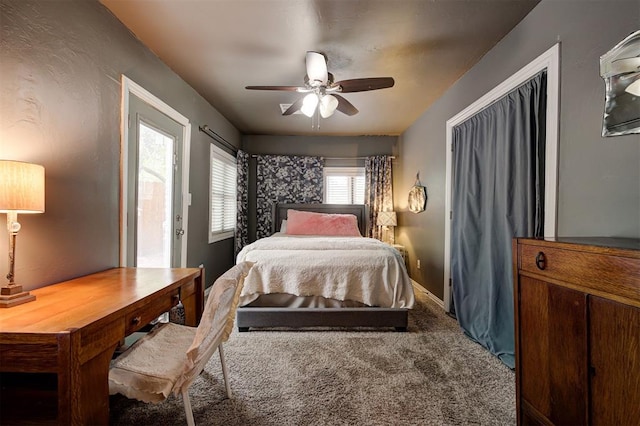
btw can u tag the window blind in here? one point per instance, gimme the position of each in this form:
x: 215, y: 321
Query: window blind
x: 222, y: 195
x: 344, y: 185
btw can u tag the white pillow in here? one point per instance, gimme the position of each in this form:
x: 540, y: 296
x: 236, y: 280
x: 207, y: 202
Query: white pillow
x: 283, y: 226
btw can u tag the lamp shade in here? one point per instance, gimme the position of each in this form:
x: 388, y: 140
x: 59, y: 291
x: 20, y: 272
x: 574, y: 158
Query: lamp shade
x: 21, y: 187
x: 309, y: 104
x: 328, y: 105
x: 387, y: 219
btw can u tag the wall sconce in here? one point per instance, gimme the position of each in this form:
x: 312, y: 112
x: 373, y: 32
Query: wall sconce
x: 21, y: 191
x: 386, y: 220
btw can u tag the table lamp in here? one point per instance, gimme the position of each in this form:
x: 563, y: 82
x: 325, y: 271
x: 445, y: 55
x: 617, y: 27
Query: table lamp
x: 386, y: 220
x: 21, y: 191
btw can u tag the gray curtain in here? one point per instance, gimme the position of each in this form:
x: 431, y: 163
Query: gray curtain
x: 285, y: 179
x: 378, y: 192
x: 242, y: 227
x: 498, y: 193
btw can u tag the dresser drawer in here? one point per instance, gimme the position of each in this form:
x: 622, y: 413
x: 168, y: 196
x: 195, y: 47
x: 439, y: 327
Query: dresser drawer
x: 150, y: 311
x: 587, y: 271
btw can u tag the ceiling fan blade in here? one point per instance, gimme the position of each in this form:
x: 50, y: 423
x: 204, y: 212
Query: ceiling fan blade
x: 294, y: 107
x: 364, y: 84
x: 344, y: 106
x: 316, y: 68
x: 286, y: 88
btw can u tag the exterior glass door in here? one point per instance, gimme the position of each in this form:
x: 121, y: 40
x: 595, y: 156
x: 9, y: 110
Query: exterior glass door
x: 154, y: 188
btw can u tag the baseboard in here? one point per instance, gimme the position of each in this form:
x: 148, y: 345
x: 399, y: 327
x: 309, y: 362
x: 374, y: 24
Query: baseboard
x: 430, y: 295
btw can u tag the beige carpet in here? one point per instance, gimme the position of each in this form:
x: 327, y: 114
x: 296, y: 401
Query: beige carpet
x: 430, y: 375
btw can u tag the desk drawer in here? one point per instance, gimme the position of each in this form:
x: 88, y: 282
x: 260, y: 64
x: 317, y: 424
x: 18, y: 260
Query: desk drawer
x: 188, y: 290
x: 585, y: 270
x: 150, y: 311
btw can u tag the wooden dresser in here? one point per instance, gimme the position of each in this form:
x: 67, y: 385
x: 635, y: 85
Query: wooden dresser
x: 577, y: 331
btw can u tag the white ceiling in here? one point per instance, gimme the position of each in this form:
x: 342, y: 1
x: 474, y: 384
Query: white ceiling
x: 221, y: 46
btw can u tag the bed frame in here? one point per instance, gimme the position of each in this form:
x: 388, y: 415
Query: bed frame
x: 249, y: 317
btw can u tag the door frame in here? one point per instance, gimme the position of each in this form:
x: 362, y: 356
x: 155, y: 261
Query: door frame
x: 549, y: 60
x: 129, y: 87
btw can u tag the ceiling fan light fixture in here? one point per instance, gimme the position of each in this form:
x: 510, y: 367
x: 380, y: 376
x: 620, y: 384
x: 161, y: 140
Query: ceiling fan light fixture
x: 323, y: 95
x: 328, y: 105
x: 309, y: 104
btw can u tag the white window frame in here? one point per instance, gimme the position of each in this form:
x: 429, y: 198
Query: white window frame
x: 216, y: 152
x: 339, y: 171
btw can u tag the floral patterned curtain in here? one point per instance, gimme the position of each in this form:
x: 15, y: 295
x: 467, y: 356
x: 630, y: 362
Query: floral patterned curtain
x: 285, y: 179
x: 378, y: 192
x: 242, y: 228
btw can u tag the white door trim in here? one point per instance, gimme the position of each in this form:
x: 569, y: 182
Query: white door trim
x: 549, y: 60
x: 129, y: 87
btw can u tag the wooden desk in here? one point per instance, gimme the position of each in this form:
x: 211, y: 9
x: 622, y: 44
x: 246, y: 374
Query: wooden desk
x: 67, y: 336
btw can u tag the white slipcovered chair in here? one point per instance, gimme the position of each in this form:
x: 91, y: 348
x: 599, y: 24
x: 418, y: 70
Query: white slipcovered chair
x: 169, y: 358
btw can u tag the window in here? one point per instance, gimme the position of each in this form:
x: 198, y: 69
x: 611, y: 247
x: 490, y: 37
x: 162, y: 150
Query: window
x: 222, y: 195
x: 344, y: 185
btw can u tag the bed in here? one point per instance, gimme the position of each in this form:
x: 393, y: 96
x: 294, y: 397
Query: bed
x: 323, y: 280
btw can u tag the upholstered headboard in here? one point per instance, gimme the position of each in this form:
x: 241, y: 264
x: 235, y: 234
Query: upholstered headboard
x: 359, y: 210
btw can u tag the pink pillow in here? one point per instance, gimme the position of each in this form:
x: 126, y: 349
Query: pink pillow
x: 310, y: 223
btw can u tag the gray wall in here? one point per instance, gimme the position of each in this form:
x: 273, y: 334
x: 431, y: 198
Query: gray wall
x: 60, y: 68
x: 346, y: 150
x: 599, y: 178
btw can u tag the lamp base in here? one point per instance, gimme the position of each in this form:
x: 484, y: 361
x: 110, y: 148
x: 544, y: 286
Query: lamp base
x: 12, y: 295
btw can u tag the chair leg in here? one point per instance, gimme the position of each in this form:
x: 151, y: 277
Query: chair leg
x: 187, y: 407
x: 225, y: 373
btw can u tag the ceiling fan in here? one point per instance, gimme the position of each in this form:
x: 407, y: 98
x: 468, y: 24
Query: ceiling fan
x: 322, y: 92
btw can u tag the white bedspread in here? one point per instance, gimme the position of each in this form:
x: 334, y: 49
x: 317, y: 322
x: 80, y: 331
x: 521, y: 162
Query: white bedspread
x: 342, y: 268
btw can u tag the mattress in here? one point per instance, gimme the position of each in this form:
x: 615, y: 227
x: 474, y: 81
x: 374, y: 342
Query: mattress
x: 355, y: 270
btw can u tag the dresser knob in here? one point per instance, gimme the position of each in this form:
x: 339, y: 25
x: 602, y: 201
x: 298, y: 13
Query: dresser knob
x: 541, y: 261
x: 135, y: 321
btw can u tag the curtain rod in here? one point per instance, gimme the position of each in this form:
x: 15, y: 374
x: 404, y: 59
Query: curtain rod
x: 393, y: 157
x: 207, y: 131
